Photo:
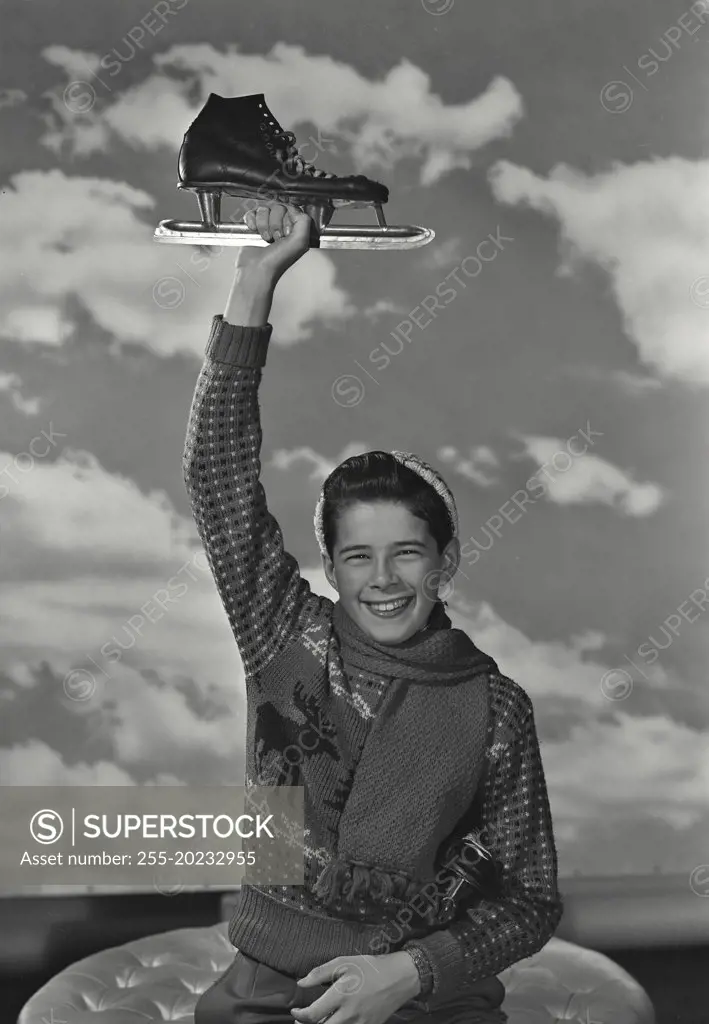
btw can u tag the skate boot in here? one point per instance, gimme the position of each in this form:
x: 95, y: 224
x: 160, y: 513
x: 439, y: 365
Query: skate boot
x: 236, y: 146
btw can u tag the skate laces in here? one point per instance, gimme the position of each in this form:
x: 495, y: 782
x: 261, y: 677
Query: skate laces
x: 292, y: 160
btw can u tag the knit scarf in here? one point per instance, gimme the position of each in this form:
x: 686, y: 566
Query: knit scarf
x: 421, y: 762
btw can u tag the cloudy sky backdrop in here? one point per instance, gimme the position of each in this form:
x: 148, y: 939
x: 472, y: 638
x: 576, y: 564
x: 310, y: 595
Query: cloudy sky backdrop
x: 574, y: 138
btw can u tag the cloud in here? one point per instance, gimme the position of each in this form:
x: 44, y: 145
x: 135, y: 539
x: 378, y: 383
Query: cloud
x: 308, y: 292
x: 12, y: 97
x: 10, y: 384
x: 444, y: 255
x: 381, y: 307
x: 97, y: 631
x: 161, y: 297
x: 635, y: 383
x: 589, y: 478
x: 375, y: 123
x: 579, y: 480
x: 158, y: 725
x: 644, y: 767
x: 37, y: 764
x: 321, y: 466
x: 627, y: 764
x: 93, y: 514
x: 43, y: 324
x: 549, y: 670
x: 99, y: 600
x: 473, y: 467
x: 647, y: 226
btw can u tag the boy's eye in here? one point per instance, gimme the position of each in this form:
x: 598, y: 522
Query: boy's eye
x: 404, y: 551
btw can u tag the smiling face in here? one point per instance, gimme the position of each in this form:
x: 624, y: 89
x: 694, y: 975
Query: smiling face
x: 383, y: 553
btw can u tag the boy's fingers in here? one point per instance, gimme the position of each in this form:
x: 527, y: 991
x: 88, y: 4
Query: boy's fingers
x: 278, y: 216
x: 295, y: 215
x: 277, y: 221
x: 263, y: 216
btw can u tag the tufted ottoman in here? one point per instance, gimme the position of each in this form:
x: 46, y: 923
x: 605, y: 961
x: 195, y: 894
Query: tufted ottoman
x: 160, y: 978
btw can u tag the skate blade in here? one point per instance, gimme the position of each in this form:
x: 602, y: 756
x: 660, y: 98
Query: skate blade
x: 344, y: 236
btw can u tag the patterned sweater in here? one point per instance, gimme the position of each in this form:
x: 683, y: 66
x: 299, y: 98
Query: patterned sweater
x: 270, y: 607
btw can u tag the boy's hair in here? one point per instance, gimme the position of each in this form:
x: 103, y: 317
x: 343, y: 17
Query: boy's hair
x: 379, y: 476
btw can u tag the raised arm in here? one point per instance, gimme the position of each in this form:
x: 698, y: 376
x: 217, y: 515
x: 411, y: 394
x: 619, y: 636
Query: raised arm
x: 266, y: 600
x: 517, y: 828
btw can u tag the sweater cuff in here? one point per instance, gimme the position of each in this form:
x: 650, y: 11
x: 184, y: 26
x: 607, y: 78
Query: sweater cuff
x: 442, y: 951
x: 239, y: 346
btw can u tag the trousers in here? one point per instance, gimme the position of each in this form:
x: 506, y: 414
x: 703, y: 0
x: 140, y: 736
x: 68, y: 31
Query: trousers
x: 250, y: 992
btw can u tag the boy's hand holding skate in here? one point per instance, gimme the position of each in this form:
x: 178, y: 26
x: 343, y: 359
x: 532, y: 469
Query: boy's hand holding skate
x: 287, y: 228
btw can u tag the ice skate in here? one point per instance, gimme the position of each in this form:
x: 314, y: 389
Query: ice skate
x: 236, y: 147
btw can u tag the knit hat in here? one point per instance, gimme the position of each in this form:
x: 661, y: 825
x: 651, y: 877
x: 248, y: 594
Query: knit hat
x: 420, y: 467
